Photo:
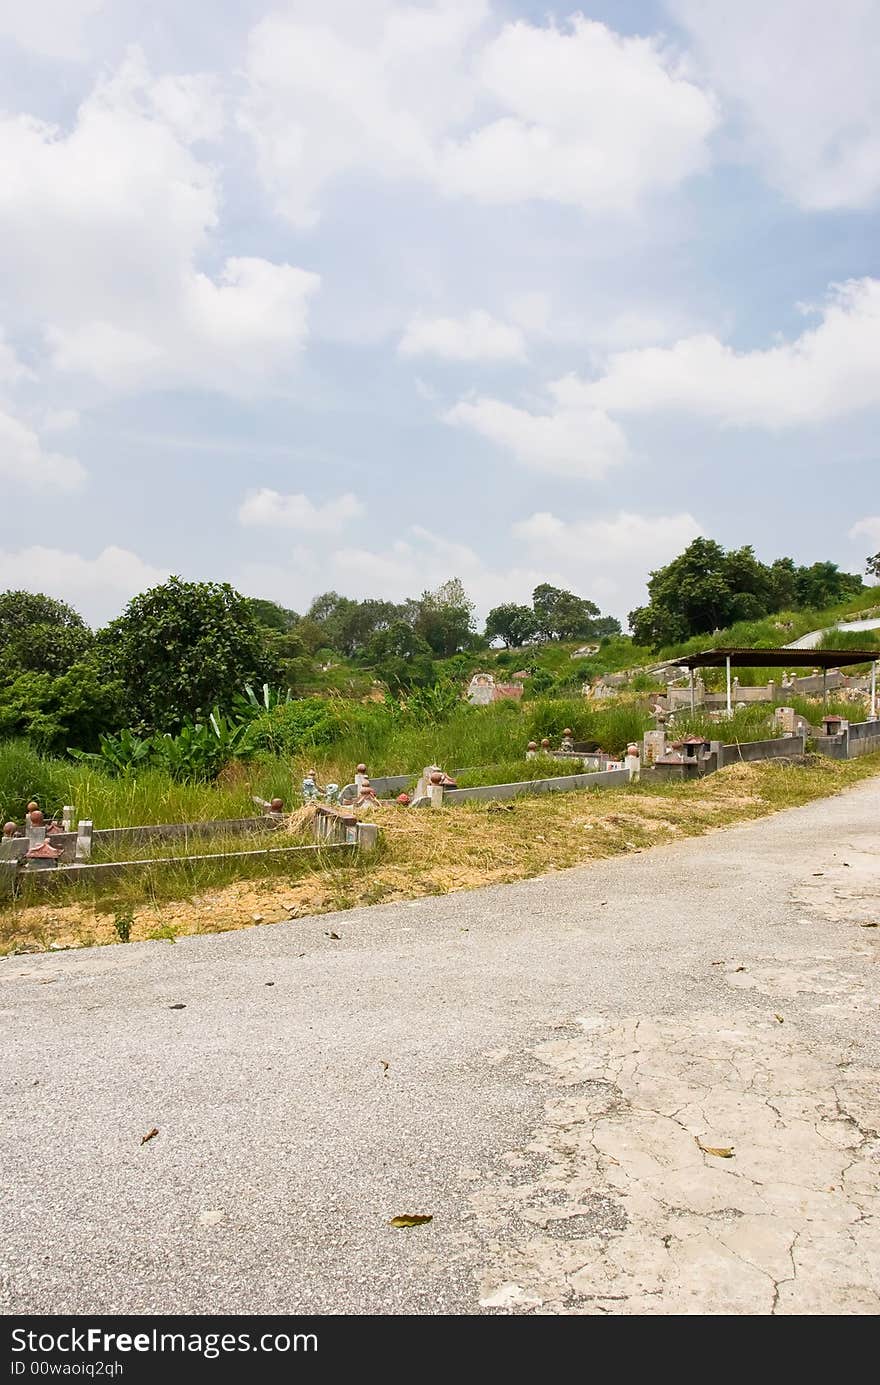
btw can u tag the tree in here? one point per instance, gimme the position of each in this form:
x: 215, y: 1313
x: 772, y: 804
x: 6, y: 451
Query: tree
x: 872, y: 565
x: 401, y: 658
x: 445, y: 618
x: 39, y: 634
x: 273, y: 616
x: 823, y: 584
x: 706, y: 589
x: 183, y: 647
x: 560, y: 615
x: 515, y: 625
x: 74, y: 709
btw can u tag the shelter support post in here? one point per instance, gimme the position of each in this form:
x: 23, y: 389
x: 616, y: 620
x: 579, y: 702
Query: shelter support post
x: 824, y: 687
x: 729, y: 705
x: 693, y: 693
x: 874, y: 690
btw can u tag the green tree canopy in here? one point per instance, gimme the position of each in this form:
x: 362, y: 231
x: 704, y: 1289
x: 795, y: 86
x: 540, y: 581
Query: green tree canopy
x: 560, y: 615
x: 513, y: 624
x: 706, y: 589
x: 39, y: 634
x: 183, y: 647
x: 445, y: 618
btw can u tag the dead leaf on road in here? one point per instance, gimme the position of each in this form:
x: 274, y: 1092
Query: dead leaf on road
x: 409, y: 1219
x: 720, y: 1151
x: 779, y: 1019
x: 334, y: 936
x: 383, y: 1065
x: 150, y: 1135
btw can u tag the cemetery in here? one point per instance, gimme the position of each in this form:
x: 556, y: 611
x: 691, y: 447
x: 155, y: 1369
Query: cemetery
x: 41, y: 854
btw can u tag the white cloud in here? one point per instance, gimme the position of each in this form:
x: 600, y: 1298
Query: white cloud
x: 270, y: 510
x: 572, y: 438
x: 604, y: 559
x: 24, y: 463
x: 423, y: 560
x: 829, y: 370
x: 651, y: 539
x: 98, y: 587
x: 376, y: 87
x: 608, y: 558
x: 578, y: 114
x: 586, y: 117
x: 801, y: 80
x: 60, y: 421
x: 103, y: 229
x: 475, y: 337
x: 867, y: 528
x: 55, y: 28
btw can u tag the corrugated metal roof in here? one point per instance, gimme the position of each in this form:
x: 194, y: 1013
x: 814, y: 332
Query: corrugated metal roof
x: 776, y: 658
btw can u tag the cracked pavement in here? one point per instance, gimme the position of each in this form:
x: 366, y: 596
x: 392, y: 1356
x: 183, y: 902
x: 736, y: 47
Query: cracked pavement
x: 644, y: 1086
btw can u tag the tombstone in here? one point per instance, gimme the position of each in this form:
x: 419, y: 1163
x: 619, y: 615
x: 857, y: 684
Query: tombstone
x: 481, y: 690
x: 632, y: 762
x: 83, y: 840
x: 785, y: 720
x: 66, y: 817
x: 367, y: 835
x: 653, y: 745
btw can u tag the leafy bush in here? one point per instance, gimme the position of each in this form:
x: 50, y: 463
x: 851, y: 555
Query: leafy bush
x: 428, y: 706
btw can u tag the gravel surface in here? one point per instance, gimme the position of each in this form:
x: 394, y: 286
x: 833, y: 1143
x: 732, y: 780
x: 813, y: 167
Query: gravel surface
x: 284, y: 1141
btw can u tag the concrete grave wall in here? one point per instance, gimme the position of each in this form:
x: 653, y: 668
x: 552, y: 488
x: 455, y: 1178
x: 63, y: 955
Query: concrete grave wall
x: 781, y: 748
x: 487, y: 793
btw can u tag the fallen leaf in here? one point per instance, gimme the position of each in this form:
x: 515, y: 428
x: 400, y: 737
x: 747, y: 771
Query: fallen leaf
x: 269, y: 983
x: 257, y: 918
x: 720, y: 1152
x: 334, y: 936
x: 716, y: 964
x: 409, y: 1219
x: 779, y: 1019
x: 382, y: 1064
x: 739, y: 968
x: 818, y: 872
x: 177, y: 1007
x: 150, y: 1135
x: 869, y: 925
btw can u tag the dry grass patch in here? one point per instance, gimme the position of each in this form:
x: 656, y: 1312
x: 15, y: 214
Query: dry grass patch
x: 430, y: 852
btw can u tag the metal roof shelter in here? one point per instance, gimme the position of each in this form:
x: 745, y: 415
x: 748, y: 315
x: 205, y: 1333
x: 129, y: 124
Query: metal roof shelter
x: 779, y: 658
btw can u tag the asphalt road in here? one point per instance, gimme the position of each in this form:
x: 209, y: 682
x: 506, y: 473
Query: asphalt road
x: 285, y: 1144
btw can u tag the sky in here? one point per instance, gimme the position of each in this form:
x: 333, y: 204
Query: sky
x: 366, y: 294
